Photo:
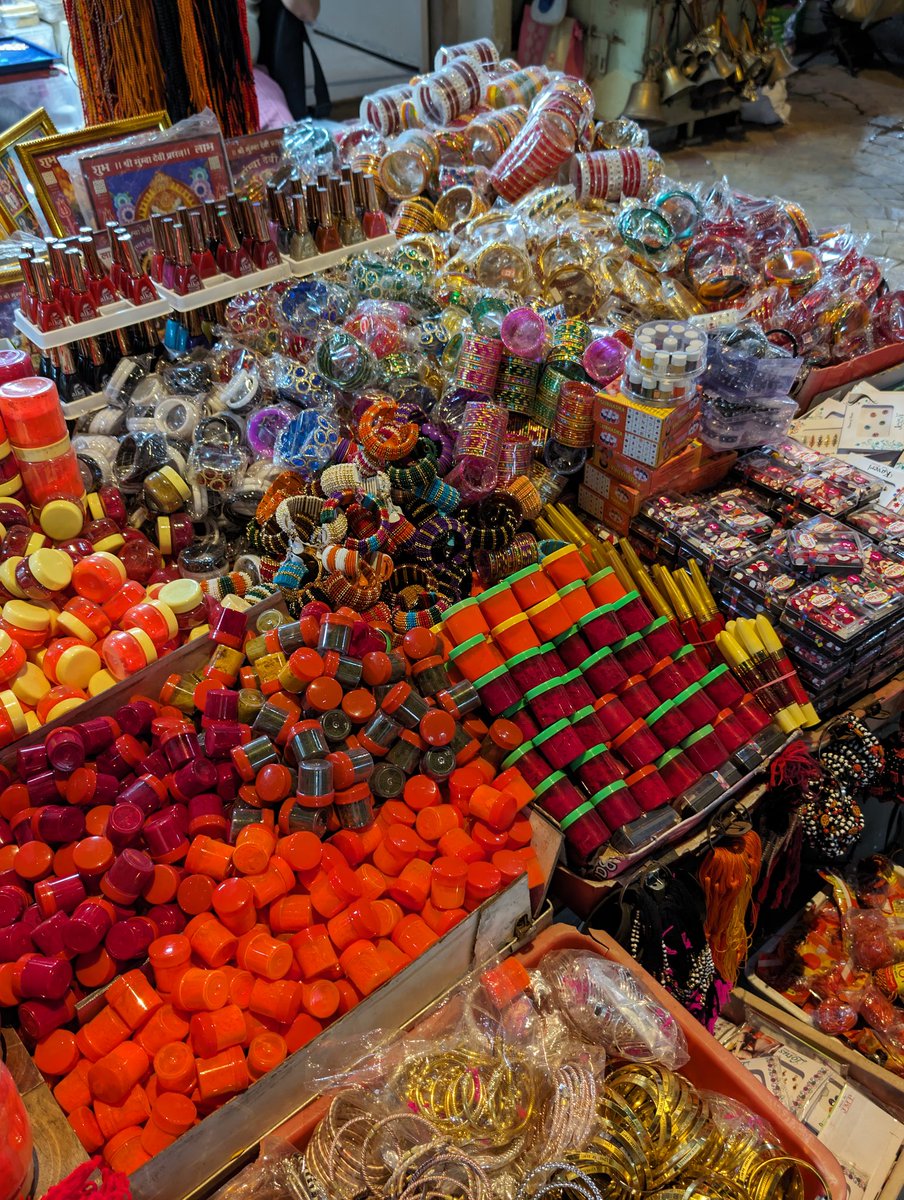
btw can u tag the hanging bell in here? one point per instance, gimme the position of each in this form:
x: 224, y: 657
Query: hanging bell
x: 723, y: 64
x: 673, y: 82
x: 782, y: 66
x: 644, y: 102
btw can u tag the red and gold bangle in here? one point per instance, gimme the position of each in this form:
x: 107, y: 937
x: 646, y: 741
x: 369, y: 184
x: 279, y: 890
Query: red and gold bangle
x: 382, y: 436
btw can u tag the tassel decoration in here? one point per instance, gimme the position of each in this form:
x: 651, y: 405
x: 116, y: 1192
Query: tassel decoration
x: 728, y: 875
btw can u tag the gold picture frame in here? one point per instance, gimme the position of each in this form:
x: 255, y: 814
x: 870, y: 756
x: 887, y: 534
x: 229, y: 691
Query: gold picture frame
x: 53, y: 190
x: 16, y: 212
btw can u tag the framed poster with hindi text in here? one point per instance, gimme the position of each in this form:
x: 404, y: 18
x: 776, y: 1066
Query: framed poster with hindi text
x: 15, y: 203
x: 40, y: 161
x: 253, y: 157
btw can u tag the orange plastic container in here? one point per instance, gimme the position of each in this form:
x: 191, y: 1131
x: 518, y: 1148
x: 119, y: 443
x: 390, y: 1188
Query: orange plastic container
x: 710, y: 1067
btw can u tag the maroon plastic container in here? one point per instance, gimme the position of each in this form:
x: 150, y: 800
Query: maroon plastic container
x: 731, y: 730
x: 677, y: 771
x: 601, y: 627
x: 722, y: 687
x: 613, y: 714
x: 616, y: 805
x: 549, y: 703
x: 670, y: 724
x: 497, y: 690
x: 557, y: 795
x: 696, y: 706
x: 603, y: 672
x: 688, y: 661
x: 553, y: 659
x: 572, y: 647
x: 532, y: 765
x: 637, y: 696
x: 666, y: 679
x: 705, y: 750
x: 633, y: 655
x: 632, y: 612
x: 521, y: 716
x: 579, y: 690
x: 753, y: 714
x: 597, y: 768
x: 648, y: 788
x: 528, y: 669
x: 585, y: 831
x: 559, y: 744
x: 661, y: 637
x: 589, y: 728
x: 638, y: 745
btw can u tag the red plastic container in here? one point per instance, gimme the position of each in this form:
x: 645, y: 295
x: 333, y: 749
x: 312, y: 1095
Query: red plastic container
x: 616, y: 805
x: 637, y: 696
x: 688, y: 662
x: 669, y: 723
x: 638, y: 745
x: 589, y: 728
x: 753, y: 714
x: 613, y: 714
x: 705, y: 750
x: 497, y: 690
x: 603, y: 672
x: 601, y: 627
x: 604, y: 587
x: 585, y: 831
x: 549, y: 703
x: 666, y: 679
x: 648, y: 788
x: 696, y: 706
x: 565, y: 565
x: 634, y: 655
x: 530, y: 586
x: 572, y: 647
x: 559, y: 744
x: 632, y: 612
x: 577, y: 599
x: 661, y: 637
x: 597, y: 768
x: 553, y: 659
x: 530, y: 762
x: 579, y: 690
x: 529, y: 670
x: 677, y: 771
x: 731, y: 730
x: 520, y: 715
x: 722, y: 687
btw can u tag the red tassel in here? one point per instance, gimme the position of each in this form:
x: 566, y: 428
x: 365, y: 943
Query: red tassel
x: 78, y: 1184
x: 728, y: 874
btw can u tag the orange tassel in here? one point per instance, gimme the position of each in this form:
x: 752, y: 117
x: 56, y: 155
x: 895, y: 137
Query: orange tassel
x: 728, y: 874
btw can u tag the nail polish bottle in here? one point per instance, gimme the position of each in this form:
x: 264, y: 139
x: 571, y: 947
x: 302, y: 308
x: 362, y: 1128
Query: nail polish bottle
x: 358, y: 190
x: 335, y: 196
x: 234, y: 209
x: 245, y: 226
x: 231, y: 255
x: 81, y: 306
x: 168, y: 267
x: 28, y: 293
x: 327, y: 236
x: 185, y: 277
x: 100, y: 285
x: 310, y: 199
x: 273, y: 211
x: 323, y: 179
x: 92, y: 366
x: 374, y: 220
x: 282, y: 221
x: 202, y: 259
x: 69, y: 384
x: 139, y: 288
x: 211, y: 225
x: 59, y: 281
x: 48, y: 311
x: 263, y: 252
x: 301, y: 244
x: 350, y: 231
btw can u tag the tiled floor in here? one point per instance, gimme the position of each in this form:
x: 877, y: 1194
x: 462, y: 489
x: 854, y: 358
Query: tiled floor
x: 841, y: 156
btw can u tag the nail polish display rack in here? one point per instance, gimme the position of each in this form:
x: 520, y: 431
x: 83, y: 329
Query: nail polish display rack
x: 215, y: 289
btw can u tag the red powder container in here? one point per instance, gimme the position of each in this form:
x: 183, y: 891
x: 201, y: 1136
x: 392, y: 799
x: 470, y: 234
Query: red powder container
x: 705, y: 749
x: 648, y: 788
x: 637, y: 696
x: 677, y: 772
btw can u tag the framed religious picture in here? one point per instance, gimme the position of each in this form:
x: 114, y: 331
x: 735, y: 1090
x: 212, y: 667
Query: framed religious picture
x: 10, y: 296
x: 129, y: 183
x: 15, y: 203
x: 253, y: 158
x: 40, y: 161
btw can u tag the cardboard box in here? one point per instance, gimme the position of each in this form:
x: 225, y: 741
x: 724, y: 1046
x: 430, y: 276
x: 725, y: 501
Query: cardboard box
x: 641, y: 431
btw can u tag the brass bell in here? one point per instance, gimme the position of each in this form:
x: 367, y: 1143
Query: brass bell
x: 673, y: 82
x: 723, y: 64
x: 644, y: 102
x: 782, y: 66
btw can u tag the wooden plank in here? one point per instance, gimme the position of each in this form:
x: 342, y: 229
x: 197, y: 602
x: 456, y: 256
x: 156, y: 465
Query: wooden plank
x: 223, y: 1140
x: 57, y: 1150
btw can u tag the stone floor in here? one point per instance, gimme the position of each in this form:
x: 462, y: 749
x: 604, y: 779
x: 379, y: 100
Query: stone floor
x: 841, y: 156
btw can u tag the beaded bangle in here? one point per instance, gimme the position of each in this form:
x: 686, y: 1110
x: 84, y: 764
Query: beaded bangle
x: 442, y: 496
x: 338, y: 478
x: 382, y: 436
x: 443, y: 443
x: 441, y: 540
x: 492, y: 566
x: 419, y: 473
x: 495, y: 522
x: 372, y: 542
x: 343, y: 592
x: 523, y: 491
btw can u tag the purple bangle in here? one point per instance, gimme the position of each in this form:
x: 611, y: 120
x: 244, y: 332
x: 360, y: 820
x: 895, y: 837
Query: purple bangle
x: 441, y: 540
x: 444, y: 442
x: 264, y: 444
